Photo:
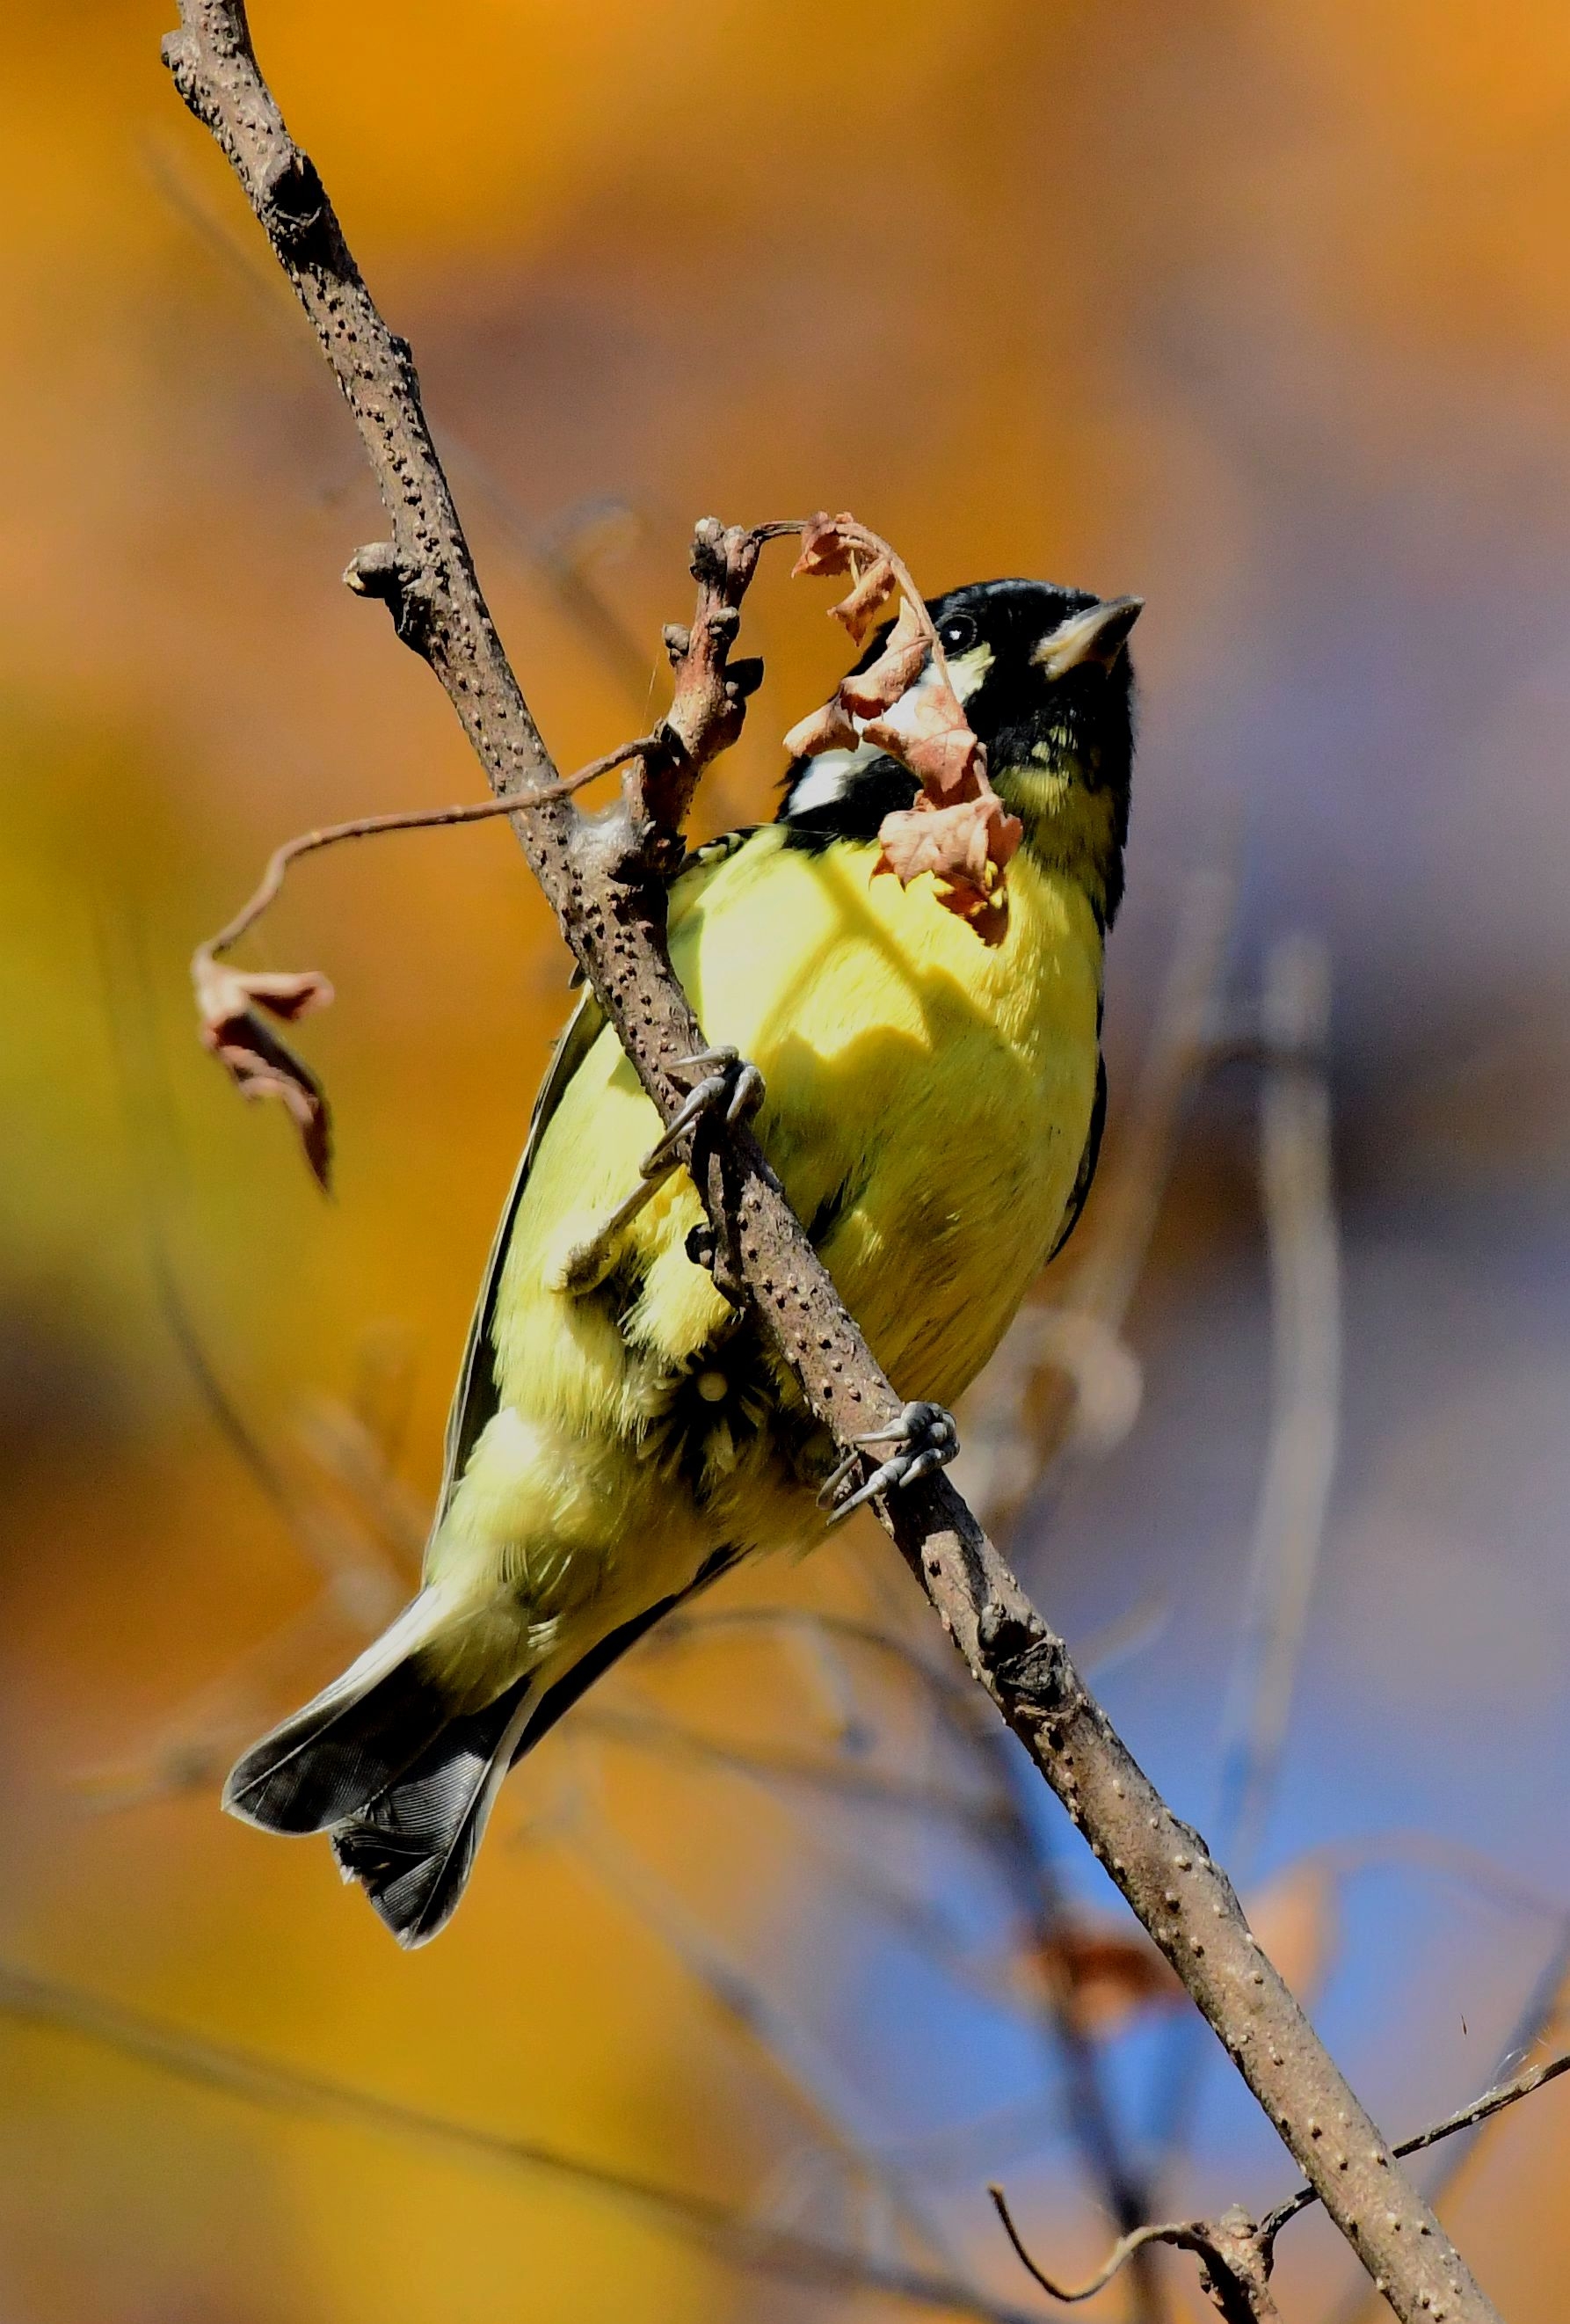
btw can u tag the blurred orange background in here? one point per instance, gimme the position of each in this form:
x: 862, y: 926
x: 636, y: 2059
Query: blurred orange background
x: 1258, y: 311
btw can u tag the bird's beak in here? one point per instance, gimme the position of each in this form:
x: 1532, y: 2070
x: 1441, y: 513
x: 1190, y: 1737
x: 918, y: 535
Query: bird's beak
x: 1098, y: 634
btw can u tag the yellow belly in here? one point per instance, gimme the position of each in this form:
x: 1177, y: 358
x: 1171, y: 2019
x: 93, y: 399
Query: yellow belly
x: 928, y: 1102
x: 932, y: 1091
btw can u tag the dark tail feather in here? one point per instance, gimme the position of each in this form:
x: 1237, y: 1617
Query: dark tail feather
x: 341, y: 1751
x: 411, y: 1842
x: 413, y: 1847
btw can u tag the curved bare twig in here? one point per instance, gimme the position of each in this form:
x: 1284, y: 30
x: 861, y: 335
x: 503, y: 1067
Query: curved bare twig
x: 371, y: 827
x: 1235, y: 2267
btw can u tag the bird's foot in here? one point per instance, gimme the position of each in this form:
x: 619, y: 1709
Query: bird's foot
x: 925, y: 1438
x: 729, y: 1086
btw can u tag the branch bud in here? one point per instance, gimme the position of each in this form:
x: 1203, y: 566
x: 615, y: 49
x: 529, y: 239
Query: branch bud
x: 375, y: 571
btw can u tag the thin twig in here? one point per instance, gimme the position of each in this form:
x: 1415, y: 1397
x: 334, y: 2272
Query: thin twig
x: 1467, y: 2118
x: 1244, y: 2249
x: 608, y: 885
x: 1296, y: 1170
x: 370, y: 826
x: 1236, y: 2274
x: 1072, y: 2294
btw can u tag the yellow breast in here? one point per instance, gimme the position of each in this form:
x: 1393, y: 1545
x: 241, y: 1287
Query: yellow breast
x: 928, y: 1102
x: 929, y: 1094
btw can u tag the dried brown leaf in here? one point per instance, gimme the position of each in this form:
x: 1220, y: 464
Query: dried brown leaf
x: 1114, y: 1974
x: 828, y: 729
x: 823, y: 551
x: 871, y: 593
x: 927, y: 731
x: 903, y: 704
x: 973, y: 838
x: 287, y: 994
x: 261, y: 1065
x: 877, y: 688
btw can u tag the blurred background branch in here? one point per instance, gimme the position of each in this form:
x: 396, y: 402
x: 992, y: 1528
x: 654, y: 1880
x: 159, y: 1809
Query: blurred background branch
x: 1287, y: 1037
x: 45, y: 2002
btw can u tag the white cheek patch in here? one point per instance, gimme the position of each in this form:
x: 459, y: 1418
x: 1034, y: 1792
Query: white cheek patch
x: 828, y: 779
x: 967, y: 671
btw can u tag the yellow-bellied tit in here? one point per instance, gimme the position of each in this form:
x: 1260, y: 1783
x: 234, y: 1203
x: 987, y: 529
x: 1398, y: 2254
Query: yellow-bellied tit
x: 621, y: 1434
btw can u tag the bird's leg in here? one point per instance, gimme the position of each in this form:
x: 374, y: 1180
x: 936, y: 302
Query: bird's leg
x: 729, y: 1086
x: 925, y: 1438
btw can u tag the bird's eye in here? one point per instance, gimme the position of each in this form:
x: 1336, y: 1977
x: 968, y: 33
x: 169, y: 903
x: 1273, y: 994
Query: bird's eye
x: 959, y: 634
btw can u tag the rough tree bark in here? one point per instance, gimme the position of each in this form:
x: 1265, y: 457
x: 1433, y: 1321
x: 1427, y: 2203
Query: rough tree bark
x: 606, y: 883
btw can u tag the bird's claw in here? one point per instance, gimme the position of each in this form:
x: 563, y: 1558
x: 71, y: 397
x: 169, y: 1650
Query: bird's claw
x: 925, y: 1437
x: 728, y: 1082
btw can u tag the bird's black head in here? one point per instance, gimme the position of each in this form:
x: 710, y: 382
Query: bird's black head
x: 1044, y: 676
x: 1046, y: 682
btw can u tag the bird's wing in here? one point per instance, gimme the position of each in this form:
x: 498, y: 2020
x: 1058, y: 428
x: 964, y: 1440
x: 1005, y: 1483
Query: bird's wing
x: 1087, y: 1161
x: 707, y: 856
x: 474, y: 1400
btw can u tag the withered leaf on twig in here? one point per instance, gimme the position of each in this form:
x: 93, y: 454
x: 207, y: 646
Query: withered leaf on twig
x: 261, y: 1065
x: 903, y: 704
x: 958, y: 841
x: 871, y: 593
x: 828, y: 729
x: 823, y: 551
x: 929, y: 732
x: 867, y: 692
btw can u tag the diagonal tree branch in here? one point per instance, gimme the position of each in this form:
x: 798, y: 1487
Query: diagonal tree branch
x: 1474, y: 2112
x: 606, y: 883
